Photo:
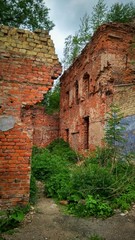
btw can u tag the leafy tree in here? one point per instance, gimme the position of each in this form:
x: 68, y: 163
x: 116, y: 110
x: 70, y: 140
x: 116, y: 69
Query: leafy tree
x: 84, y: 31
x: 99, y: 15
x: 71, y: 50
x: 52, y: 100
x: 30, y: 14
x: 121, y: 13
x: 74, y: 44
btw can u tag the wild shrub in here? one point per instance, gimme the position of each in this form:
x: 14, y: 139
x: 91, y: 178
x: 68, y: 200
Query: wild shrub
x: 93, y: 189
x: 62, y: 149
x: 11, y: 218
x: 33, y: 190
x: 58, y: 185
x: 92, y: 179
x: 47, y: 164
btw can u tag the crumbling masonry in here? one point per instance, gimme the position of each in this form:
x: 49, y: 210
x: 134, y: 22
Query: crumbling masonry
x: 28, y: 66
x: 102, y: 74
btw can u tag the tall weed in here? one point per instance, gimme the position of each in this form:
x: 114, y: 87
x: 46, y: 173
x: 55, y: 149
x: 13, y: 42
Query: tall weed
x: 91, y: 189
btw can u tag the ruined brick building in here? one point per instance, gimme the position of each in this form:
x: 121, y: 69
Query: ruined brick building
x: 28, y: 66
x: 102, y: 74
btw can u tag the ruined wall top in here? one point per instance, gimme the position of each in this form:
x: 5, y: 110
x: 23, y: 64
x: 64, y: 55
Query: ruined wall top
x: 104, y: 40
x: 35, y: 45
x: 28, y: 66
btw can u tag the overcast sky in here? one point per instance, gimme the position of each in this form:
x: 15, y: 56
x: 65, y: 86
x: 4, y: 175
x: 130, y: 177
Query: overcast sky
x: 66, y: 16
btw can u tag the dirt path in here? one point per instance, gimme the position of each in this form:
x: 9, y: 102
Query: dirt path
x: 49, y: 223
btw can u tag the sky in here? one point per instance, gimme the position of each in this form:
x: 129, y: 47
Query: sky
x: 66, y: 15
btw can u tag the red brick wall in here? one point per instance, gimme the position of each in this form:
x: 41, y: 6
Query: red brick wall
x: 104, y: 64
x: 28, y: 65
x: 45, y: 127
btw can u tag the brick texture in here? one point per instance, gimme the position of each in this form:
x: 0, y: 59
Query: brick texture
x: 28, y: 66
x: 103, y: 73
x: 45, y: 127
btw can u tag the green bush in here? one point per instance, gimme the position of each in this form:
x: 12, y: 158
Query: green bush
x: 91, y: 207
x: 92, y: 179
x: 33, y: 190
x: 62, y: 149
x: 58, y: 185
x: 47, y: 164
x: 92, y: 189
x: 51, y: 100
x: 11, y: 218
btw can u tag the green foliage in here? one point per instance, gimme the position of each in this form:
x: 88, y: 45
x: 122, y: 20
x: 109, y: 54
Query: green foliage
x: 91, y: 207
x: 92, y: 179
x: 11, y: 218
x: 118, y: 12
x: 62, y: 149
x: 74, y: 44
x: 98, y: 15
x: 71, y: 50
x: 51, y: 100
x: 96, y: 237
x: 114, y: 137
x: 30, y: 14
x: 121, y: 13
x: 52, y: 165
x: 54, y: 159
x: 58, y: 185
x: 114, y: 128
x: 33, y: 190
x: 91, y: 189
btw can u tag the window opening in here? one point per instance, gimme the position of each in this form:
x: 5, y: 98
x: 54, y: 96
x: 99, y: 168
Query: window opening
x: 76, y: 92
x: 67, y: 98
x: 86, y: 132
x: 86, y: 82
x: 67, y: 134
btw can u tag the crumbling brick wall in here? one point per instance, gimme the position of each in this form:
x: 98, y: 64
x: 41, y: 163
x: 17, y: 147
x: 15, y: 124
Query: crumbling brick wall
x: 28, y: 65
x: 103, y: 73
x: 45, y: 127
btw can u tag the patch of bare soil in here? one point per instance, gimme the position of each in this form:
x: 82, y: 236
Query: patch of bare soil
x: 47, y: 222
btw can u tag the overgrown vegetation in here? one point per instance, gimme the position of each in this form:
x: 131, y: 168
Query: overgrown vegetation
x: 51, y: 99
x: 11, y: 218
x: 103, y: 182
x: 33, y: 190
